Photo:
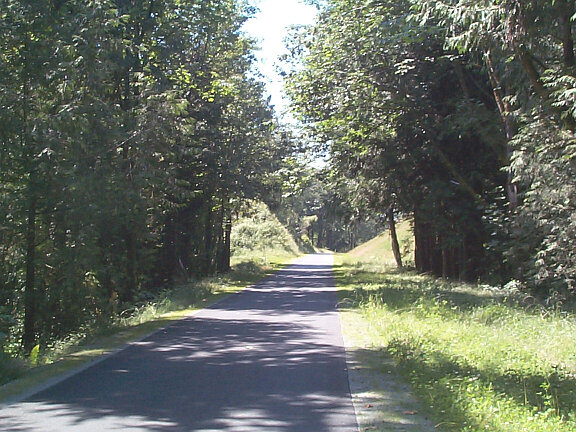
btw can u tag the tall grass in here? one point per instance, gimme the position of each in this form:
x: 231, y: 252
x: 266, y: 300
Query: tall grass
x: 480, y: 358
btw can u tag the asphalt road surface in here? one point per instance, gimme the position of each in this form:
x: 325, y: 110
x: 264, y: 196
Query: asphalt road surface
x: 269, y: 358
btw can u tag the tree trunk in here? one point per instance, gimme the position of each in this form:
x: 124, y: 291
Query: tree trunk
x: 394, y: 237
x: 168, y: 267
x: 509, y: 127
x: 351, y: 239
x: 531, y: 72
x: 566, y: 11
x: 208, y: 252
x: 30, y: 305
x: 225, y: 229
x: 541, y: 90
x: 418, y: 244
x: 226, y: 253
x: 463, y: 260
x: 320, y: 239
x: 131, y: 282
x: 445, y: 271
x: 30, y: 300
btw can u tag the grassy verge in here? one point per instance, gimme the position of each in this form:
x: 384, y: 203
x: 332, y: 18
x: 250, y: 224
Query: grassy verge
x: 478, y: 358
x: 78, y: 350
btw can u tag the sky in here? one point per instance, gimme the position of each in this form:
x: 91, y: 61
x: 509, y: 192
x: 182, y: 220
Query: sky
x: 270, y: 27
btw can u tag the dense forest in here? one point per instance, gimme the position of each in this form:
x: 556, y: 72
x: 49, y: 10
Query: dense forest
x: 130, y: 132
x: 459, y: 114
x: 134, y: 133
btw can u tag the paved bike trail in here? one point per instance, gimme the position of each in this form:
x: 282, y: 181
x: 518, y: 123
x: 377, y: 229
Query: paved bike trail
x: 270, y: 358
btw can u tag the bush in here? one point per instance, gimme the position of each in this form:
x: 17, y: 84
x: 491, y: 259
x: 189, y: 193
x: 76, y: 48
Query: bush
x: 258, y: 233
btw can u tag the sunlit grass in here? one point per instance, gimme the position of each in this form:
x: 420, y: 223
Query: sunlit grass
x: 479, y: 358
x: 378, y: 251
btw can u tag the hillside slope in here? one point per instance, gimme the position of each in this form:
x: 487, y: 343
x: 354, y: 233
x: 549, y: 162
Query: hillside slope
x: 258, y: 235
x: 379, y: 249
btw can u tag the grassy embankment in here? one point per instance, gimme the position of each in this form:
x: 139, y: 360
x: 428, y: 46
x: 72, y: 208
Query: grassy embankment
x: 257, y: 255
x: 479, y: 358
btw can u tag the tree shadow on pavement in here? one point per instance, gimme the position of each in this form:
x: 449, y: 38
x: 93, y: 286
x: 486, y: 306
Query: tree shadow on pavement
x: 268, y: 359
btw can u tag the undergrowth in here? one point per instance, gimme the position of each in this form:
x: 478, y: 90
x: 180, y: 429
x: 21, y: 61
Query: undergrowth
x: 259, y: 235
x: 180, y: 298
x: 481, y: 359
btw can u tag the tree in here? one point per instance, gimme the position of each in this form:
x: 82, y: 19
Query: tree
x: 528, y: 49
x: 389, y: 101
x: 129, y: 131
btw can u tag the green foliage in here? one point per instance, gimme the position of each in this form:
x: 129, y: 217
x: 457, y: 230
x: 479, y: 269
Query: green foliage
x: 33, y: 358
x: 460, y: 113
x: 130, y: 132
x: 10, y: 368
x: 545, y: 227
x: 321, y: 212
x: 528, y: 50
x: 257, y: 232
x: 408, y: 126
x: 478, y: 357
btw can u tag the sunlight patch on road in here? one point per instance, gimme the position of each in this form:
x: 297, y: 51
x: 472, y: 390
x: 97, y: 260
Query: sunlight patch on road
x: 58, y: 417
x: 248, y: 420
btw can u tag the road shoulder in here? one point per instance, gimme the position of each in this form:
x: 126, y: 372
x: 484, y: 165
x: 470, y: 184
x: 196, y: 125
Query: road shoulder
x: 383, y: 401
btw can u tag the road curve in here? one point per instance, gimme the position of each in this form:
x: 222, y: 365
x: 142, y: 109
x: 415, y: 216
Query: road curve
x: 269, y: 358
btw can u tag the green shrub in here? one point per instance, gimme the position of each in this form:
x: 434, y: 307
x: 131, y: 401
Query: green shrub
x: 258, y: 234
